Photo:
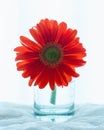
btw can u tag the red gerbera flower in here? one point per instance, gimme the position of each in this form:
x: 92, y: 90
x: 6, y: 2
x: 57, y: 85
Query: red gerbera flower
x: 52, y: 56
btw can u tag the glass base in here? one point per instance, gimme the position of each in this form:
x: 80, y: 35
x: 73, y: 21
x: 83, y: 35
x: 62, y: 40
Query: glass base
x: 54, y: 118
x: 54, y: 110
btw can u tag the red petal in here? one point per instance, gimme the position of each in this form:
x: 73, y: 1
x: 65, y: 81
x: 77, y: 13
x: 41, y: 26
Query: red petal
x: 64, y: 78
x: 69, y: 70
x: 29, y: 43
x: 52, y: 78
x: 78, y: 52
x: 61, y: 30
x: 53, y: 26
x: 27, y: 55
x: 72, y: 44
x: 30, y: 69
x: 41, y: 27
x: 34, y: 73
x: 37, y: 36
x: 22, y: 49
x: 44, y: 81
x: 58, y: 78
x: 26, y: 73
x: 68, y: 36
x: 40, y: 78
x: 27, y: 64
x: 31, y: 81
x: 74, y: 61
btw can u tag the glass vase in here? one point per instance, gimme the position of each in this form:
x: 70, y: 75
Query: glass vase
x: 58, y: 102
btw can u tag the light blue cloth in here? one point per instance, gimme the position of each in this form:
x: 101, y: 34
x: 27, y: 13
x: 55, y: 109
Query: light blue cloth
x: 19, y: 117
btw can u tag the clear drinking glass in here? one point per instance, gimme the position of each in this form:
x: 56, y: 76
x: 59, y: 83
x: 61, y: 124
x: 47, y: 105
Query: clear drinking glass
x: 57, y: 102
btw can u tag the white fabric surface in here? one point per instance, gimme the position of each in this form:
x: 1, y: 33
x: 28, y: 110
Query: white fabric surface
x: 19, y: 117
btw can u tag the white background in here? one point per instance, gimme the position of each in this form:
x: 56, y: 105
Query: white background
x: 17, y: 16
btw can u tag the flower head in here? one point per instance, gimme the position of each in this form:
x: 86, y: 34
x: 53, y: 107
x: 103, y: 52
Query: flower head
x: 52, y: 56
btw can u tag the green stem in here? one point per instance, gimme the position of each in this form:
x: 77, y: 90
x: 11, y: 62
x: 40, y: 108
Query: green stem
x: 53, y: 96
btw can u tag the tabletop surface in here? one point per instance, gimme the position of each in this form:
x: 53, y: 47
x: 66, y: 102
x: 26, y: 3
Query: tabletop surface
x: 21, y: 117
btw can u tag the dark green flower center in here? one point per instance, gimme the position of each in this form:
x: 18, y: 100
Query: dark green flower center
x: 51, y: 54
